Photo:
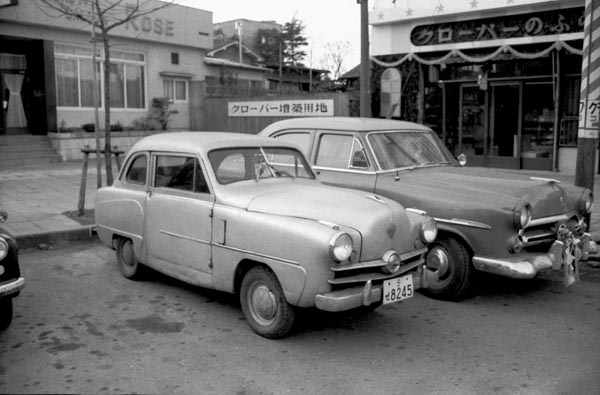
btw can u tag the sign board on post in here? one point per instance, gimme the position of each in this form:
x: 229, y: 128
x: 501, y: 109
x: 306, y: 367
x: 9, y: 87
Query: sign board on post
x: 589, y: 117
x: 281, y: 108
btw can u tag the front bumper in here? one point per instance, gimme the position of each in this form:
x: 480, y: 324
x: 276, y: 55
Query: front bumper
x: 560, y: 255
x: 351, y: 298
x: 12, y: 287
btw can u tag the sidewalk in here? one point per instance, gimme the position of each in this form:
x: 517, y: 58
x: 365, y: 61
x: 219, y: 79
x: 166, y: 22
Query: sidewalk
x: 37, y: 198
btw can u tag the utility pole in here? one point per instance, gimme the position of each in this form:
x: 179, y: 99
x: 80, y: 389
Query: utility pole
x: 238, y: 26
x: 365, y: 74
x: 589, y: 103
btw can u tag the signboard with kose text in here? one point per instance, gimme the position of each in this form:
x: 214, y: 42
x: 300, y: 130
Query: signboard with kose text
x: 282, y: 108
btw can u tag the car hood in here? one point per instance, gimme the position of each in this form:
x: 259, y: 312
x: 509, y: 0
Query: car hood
x: 380, y: 223
x: 450, y: 192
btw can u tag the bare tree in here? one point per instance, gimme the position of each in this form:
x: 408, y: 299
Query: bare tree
x: 104, y: 16
x: 334, y: 57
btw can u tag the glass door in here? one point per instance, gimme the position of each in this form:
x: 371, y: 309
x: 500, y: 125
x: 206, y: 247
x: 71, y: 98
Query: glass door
x: 502, y: 148
x: 472, y: 123
x: 538, y: 126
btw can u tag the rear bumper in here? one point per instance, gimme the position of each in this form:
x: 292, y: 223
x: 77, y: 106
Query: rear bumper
x: 351, y: 298
x: 12, y: 287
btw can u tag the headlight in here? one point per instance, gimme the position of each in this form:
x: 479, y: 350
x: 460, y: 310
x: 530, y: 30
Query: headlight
x: 522, y: 215
x: 3, y: 248
x: 392, y: 259
x: 587, y: 201
x: 340, y: 247
x: 429, y: 230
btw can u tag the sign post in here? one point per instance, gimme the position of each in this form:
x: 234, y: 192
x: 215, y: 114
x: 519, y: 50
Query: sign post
x: 589, y: 104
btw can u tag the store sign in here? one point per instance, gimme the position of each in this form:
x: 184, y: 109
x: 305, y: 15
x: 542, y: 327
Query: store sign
x: 589, y: 113
x: 545, y: 23
x: 281, y: 108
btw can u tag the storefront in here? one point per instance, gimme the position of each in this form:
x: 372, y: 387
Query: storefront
x: 500, y: 83
x: 46, y: 70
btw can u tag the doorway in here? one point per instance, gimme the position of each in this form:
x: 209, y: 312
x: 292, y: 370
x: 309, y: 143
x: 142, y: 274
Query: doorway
x: 502, y: 148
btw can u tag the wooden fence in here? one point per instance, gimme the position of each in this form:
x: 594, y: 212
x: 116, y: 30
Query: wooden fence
x: 216, y: 116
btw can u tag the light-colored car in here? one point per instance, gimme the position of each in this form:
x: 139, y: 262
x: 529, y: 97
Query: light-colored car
x: 244, y: 214
x: 509, y: 225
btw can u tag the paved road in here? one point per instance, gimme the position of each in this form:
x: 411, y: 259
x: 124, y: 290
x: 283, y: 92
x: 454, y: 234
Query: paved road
x: 81, y: 328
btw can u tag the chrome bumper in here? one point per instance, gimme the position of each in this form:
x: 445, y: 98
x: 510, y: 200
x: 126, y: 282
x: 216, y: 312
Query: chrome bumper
x: 515, y: 268
x: 12, y: 287
x: 351, y: 298
x: 528, y: 267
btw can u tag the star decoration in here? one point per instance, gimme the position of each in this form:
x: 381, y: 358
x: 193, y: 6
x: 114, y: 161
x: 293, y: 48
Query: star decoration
x: 510, y: 1
x: 474, y: 4
x: 380, y: 16
x: 439, y: 8
x: 409, y: 12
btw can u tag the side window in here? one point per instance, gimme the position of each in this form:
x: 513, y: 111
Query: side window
x: 335, y: 151
x: 136, y: 174
x: 359, y: 156
x: 301, y: 139
x: 179, y: 172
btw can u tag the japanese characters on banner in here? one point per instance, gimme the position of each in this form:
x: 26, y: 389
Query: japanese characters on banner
x: 552, y: 22
x: 281, y: 108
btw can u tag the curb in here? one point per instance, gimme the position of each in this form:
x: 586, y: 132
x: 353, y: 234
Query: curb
x: 34, y: 240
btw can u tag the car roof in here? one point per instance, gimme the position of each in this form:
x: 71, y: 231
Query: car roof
x: 354, y: 124
x: 201, y: 141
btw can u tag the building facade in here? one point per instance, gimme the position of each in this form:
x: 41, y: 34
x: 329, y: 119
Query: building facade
x: 498, y: 80
x: 46, y: 72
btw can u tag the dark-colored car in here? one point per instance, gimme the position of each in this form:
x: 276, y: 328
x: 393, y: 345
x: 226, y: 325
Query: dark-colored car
x: 11, y: 281
x: 512, y: 225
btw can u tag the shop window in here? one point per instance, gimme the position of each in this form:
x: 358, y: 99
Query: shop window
x: 74, y: 78
x: 175, y: 90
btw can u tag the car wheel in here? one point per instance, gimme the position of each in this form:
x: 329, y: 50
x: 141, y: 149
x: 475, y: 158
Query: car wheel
x: 449, y: 259
x: 264, y: 304
x: 6, y: 312
x: 128, y: 263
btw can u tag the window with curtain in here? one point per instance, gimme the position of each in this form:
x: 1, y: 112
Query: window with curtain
x: 74, y: 78
x: 67, y: 88
x: 175, y: 90
x: 135, y: 86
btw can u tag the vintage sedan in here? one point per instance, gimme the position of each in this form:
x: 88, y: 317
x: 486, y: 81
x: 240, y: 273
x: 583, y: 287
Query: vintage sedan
x: 245, y: 215
x: 11, y: 282
x: 513, y: 226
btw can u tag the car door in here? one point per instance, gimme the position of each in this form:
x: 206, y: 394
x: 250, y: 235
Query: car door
x: 340, y: 159
x: 179, y: 218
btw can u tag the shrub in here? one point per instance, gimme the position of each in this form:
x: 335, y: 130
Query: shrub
x: 88, y: 127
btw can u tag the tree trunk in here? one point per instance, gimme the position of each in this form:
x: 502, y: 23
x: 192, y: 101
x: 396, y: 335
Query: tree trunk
x: 107, y: 146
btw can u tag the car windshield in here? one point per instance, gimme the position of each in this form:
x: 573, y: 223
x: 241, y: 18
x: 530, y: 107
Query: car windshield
x: 239, y: 164
x: 399, y: 149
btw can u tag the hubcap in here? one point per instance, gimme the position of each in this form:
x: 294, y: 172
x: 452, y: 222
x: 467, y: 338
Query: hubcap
x: 263, y: 304
x: 127, y: 254
x: 438, y: 260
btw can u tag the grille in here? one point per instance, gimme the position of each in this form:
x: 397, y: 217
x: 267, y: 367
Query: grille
x: 359, y: 273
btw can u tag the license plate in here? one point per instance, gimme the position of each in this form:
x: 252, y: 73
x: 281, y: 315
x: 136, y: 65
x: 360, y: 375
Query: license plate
x: 398, y: 289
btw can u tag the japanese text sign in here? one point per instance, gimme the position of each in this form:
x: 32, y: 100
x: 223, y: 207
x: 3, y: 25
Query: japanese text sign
x: 281, y: 108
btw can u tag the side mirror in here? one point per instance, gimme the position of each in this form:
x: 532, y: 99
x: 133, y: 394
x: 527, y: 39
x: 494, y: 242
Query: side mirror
x: 462, y: 159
